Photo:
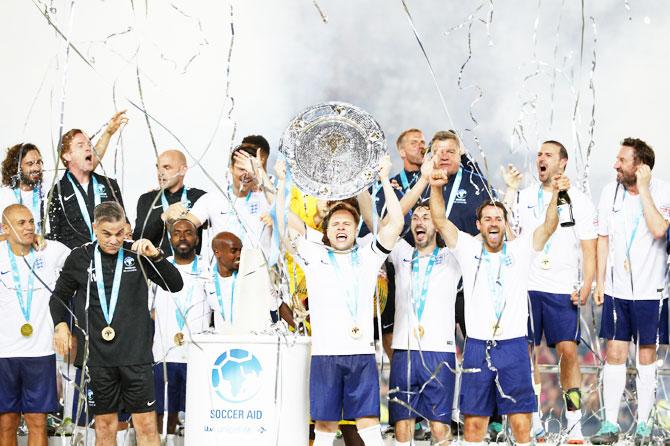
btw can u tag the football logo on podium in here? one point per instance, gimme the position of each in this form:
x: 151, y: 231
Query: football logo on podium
x: 236, y: 375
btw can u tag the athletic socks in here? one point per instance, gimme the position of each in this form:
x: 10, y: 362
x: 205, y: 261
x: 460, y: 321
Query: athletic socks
x: 371, y: 436
x: 646, y: 386
x: 402, y: 443
x: 323, y: 438
x: 614, y: 383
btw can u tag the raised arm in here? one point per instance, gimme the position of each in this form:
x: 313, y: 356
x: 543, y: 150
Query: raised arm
x: 512, y: 178
x: 438, y: 211
x: 113, y: 126
x: 658, y: 226
x: 389, y: 233
x: 296, y: 227
x: 545, y: 230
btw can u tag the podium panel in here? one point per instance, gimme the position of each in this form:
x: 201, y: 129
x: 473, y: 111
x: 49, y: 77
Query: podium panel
x: 246, y: 389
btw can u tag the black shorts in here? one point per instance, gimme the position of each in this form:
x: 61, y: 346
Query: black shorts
x: 388, y: 315
x: 127, y: 388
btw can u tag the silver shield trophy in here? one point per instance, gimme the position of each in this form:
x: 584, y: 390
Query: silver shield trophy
x: 333, y: 150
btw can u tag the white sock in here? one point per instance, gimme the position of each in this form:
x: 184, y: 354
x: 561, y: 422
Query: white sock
x: 402, y: 443
x: 522, y: 444
x: 574, y: 417
x: 371, y: 436
x: 323, y: 438
x: 472, y: 443
x: 614, y: 383
x: 646, y: 386
x: 537, y: 422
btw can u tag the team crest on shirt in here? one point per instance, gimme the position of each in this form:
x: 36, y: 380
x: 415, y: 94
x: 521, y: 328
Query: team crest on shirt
x: 39, y: 263
x: 460, y: 196
x: 253, y: 208
x: 129, y: 265
x: 508, y: 260
x: 102, y: 190
x: 439, y: 259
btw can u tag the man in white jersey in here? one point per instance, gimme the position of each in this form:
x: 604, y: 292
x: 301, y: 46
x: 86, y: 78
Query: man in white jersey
x: 426, y: 282
x: 177, y: 316
x: 341, y: 279
x: 27, y: 359
x: 497, y: 370
x: 633, y: 217
x: 561, y: 279
x: 243, y: 207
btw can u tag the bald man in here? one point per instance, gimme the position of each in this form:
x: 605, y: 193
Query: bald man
x: 27, y: 359
x: 172, y: 168
x: 225, y: 292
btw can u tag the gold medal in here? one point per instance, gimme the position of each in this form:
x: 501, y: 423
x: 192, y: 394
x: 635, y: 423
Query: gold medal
x: 626, y: 265
x: 179, y: 339
x: 355, y: 332
x: 26, y: 330
x: 496, y: 329
x: 108, y: 333
x: 419, y: 331
x: 545, y: 263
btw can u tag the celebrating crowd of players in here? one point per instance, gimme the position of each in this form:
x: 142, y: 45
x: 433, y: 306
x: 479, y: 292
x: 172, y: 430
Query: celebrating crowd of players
x: 434, y: 244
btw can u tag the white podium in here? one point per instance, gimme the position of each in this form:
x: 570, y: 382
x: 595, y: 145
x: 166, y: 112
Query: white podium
x: 247, y: 390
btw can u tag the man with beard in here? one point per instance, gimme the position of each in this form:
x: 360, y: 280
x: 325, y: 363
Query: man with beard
x: 27, y: 360
x: 554, y: 287
x: 241, y: 210
x: 22, y: 180
x: 108, y: 279
x: 633, y: 217
x: 497, y: 370
x: 177, y: 316
x: 341, y: 278
x: 80, y: 190
x: 423, y: 337
x: 172, y: 168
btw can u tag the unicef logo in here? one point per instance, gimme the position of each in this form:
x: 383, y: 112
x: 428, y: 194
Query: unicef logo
x: 236, y: 375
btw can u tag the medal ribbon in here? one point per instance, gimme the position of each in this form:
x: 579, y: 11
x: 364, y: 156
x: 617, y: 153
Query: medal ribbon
x: 182, y: 311
x: 108, y: 312
x: 419, y: 297
x: 636, y: 224
x: 496, y: 283
x: 454, y: 190
x: 538, y: 212
x: 36, y: 206
x: 82, y: 203
x: 16, y: 276
x: 217, y: 287
x: 352, y: 291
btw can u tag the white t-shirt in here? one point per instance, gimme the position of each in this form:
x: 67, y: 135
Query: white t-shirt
x: 216, y: 208
x: 8, y: 197
x: 480, y: 274
x: 47, y: 266
x: 563, y: 250
x: 438, y: 318
x: 334, y: 297
x: 192, y: 301
x: 648, y: 257
x: 233, y: 302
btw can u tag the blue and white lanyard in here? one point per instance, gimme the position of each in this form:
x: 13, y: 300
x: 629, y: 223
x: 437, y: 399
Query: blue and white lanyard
x: 538, y: 212
x: 454, y: 190
x: 36, y: 206
x: 406, y: 185
x: 219, y: 297
x: 82, y: 203
x: 108, y: 311
x: 16, y: 276
x: 352, y: 290
x: 496, y: 282
x: 636, y: 224
x: 182, y: 311
x: 419, y: 295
